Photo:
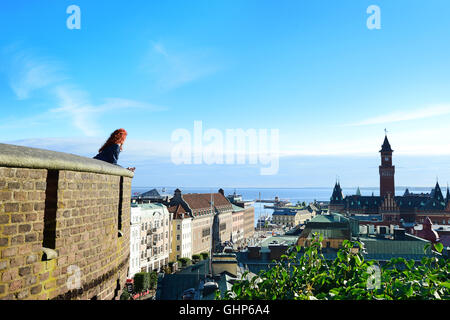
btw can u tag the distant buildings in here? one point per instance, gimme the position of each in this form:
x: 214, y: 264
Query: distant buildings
x: 186, y: 225
x: 153, y: 221
x: 291, y: 217
x: 408, y: 209
x: 181, y: 233
x: 244, y: 219
x: 333, y: 228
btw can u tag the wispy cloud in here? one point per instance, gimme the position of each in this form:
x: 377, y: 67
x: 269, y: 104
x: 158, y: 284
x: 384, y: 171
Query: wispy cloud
x: 406, y: 115
x: 29, y: 73
x: 175, y: 69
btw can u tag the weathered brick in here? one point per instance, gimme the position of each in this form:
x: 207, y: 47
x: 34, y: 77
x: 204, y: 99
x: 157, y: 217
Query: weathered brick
x: 32, y: 258
x: 17, y: 217
x: 30, y: 280
x: 22, y: 173
x: 27, y: 186
x: 16, y: 262
x: 13, y: 185
x: 37, y: 174
x: 23, y: 294
x: 4, y: 242
x: 20, y: 195
x: 10, y: 275
x: 11, y: 207
x: 30, y: 217
x: 24, y: 271
x: 50, y: 284
x: 5, y: 196
x: 25, y: 228
x: 10, y: 230
x: 26, y: 207
x: 31, y: 237
x: 38, y: 226
x: 4, y: 218
x: 19, y: 239
x: 3, y: 265
x: 44, y: 276
x: 40, y: 185
x: 36, y: 289
x: 25, y: 249
x: 15, y: 285
x: 39, y: 206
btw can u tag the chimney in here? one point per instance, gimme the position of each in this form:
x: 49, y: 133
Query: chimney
x: 222, y: 192
x: 177, y: 193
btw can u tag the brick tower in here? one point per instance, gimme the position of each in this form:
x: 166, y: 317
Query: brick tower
x: 387, y: 170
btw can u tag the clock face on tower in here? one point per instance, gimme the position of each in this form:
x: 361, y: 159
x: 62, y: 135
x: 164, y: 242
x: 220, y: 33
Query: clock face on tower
x: 386, y: 158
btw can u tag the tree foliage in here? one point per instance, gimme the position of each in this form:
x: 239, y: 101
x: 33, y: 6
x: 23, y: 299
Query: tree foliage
x: 304, y: 273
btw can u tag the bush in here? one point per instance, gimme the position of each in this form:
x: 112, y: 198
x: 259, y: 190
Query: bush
x: 307, y: 275
x: 197, y: 257
x: 185, y: 261
x: 204, y: 255
x: 141, y: 281
x: 125, y: 295
x: 153, y: 280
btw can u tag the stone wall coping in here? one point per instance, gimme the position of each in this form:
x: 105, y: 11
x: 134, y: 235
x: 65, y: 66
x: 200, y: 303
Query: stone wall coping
x: 34, y: 158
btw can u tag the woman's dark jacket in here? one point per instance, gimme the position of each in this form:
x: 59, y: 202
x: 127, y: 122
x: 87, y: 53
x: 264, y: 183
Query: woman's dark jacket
x: 109, y: 154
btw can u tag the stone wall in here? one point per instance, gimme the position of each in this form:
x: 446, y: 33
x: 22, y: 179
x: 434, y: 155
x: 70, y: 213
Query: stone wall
x: 64, y: 226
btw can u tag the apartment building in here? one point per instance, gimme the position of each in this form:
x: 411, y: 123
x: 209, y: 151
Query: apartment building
x: 211, y: 218
x: 181, y: 233
x: 248, y: 214
x: 155, y: 235
x: 135, y: 242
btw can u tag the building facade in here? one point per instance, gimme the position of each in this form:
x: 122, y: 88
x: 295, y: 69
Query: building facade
x: 135, y: 243
x: 237, y: 235
x: 248, y: 215
x: 410, y: 208
x: 292, y: 217
x: 211, y: 218
x: 181, y: 233
x: 155, y: 235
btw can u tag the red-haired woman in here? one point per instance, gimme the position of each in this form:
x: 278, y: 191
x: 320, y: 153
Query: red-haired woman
x: 109, y: 152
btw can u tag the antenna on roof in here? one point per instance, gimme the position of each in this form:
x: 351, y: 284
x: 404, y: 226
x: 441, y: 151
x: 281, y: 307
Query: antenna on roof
x: 385, y: 131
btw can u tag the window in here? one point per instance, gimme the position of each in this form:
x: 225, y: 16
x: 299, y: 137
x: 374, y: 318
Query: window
x: 178, y: 227
x: 178, y: 237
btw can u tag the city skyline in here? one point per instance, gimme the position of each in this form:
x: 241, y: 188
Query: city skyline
x: 312, y: 70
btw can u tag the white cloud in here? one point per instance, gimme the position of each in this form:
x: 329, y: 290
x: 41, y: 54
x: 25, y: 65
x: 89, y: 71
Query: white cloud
x: 29, y: 73
x: 406, y: 115
x: 175, y: 69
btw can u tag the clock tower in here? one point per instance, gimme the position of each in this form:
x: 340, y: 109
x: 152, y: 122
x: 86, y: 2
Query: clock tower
x: 387, y: 170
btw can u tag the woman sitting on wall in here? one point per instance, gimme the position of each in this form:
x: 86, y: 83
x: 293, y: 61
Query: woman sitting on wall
x: 109, y: 152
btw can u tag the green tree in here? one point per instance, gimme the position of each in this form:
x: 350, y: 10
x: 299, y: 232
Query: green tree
x: 141, y: 281
x: 303, y: 273
x: 125, y: 295
x: 204, y: 255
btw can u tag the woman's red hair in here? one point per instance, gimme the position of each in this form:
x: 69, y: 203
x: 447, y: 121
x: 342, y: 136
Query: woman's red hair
x: 117, y: 137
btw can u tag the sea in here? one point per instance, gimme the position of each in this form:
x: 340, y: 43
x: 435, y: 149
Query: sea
x: 292, y: 195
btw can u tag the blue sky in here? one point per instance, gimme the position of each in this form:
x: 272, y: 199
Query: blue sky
x: 311, y: 69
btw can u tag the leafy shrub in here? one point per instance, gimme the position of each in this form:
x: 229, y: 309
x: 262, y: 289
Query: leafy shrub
x: 204, y: 255
x: 141, y: 281
x: 196, y: 257
x: 153, y: 280
x: 125, y: 295
x: 305, y: 274
x: 185, y: 261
